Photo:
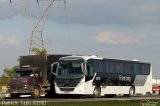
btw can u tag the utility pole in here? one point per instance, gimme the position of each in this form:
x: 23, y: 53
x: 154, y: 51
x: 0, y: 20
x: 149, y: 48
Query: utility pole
x: 37, y: 32
x: 36, y: 39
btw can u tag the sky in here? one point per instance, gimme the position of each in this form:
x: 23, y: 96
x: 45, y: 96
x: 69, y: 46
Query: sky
x: 119, y: 29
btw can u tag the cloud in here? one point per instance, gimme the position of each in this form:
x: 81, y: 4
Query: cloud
x: 95, y: 12
x: 12, y: 40
x: 108, y: 12
x: 4, y: 0
x: 115, y: 38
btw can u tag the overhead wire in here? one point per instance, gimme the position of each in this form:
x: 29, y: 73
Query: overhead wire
x: 49, y: 40
x: 68, y: 27
x: 66, y: 18
x: 48, y: 43
x: 38, y: 26
x: 31, y: 21
x: 19, y: 21
x: 45, y: 38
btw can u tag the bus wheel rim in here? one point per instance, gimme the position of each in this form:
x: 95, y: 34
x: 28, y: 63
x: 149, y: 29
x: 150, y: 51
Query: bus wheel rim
x: 131, y: 91
x: 96, y: 92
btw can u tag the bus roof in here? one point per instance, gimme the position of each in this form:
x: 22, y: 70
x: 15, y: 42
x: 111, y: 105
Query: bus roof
x: 86, y: 57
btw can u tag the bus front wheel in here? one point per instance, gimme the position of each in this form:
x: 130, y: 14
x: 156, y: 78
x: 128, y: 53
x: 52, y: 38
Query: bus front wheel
x: 97, y: 92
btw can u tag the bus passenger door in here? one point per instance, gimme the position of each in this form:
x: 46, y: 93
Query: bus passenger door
x: 90, y: 73
x: 89, y: 77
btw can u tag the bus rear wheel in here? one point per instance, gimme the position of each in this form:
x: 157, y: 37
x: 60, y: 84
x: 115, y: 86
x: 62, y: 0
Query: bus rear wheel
x: 131, y: 91
x: 97, y: 92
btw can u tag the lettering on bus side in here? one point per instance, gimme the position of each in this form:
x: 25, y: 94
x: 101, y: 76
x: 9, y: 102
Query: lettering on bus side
x: 124, y: 78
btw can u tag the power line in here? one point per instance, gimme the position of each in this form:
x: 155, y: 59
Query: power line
x: 20, y: 23
x: 36, y: 39
x: 68, y: 27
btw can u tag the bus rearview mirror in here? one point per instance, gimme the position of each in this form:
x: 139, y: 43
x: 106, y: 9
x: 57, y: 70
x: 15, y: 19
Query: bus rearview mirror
x: 83, y: 67
x: 53, y: 66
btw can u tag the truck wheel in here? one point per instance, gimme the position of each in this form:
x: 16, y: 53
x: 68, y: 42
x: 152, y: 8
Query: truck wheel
x: 15, y: 96
x: 36, y: 92
x: 97, y: 92
x: 131, y: 91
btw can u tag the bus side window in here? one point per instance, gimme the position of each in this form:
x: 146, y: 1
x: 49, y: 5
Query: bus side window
x: 109, y: 68
x: 138, y: 69
x: 146, y: 69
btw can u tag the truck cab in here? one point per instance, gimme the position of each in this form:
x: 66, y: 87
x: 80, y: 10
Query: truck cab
x: 26, y: 80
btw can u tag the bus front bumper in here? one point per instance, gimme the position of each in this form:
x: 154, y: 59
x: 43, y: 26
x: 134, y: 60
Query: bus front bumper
x: 69, y: 90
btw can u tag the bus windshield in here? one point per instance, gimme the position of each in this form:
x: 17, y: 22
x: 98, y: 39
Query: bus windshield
x: 69, y: 70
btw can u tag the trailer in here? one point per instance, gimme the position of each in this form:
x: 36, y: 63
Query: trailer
x: 33, y: 76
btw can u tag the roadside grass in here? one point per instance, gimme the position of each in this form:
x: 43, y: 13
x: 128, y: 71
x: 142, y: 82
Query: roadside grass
x: 107, y: 103
x: 2, y: 96
x: 97, y: 103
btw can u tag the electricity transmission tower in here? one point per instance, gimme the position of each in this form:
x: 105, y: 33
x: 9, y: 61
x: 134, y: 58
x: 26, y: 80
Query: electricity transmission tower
x: 36, y: 40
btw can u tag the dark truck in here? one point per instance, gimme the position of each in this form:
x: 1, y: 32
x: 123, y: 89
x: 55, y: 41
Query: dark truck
x: 34, y: 76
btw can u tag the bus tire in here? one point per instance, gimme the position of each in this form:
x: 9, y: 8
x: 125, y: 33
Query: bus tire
x: 36, y: 92
x: 97, y: 92
x: 131, y: 91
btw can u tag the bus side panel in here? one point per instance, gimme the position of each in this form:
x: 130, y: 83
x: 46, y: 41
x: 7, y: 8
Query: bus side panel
x: 146, y: 87
x: 89, y: 87
x: 115, y: 90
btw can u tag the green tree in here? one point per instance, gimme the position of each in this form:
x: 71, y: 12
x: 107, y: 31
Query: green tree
x: 10, y: 71
x: 41, y: 52
x: 3, y: 80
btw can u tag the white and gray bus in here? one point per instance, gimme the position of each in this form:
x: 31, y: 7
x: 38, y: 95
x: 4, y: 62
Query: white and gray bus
x: 92, y: 75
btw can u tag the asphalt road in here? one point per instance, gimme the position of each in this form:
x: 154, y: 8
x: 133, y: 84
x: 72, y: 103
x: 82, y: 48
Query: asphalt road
x: 81, y: 99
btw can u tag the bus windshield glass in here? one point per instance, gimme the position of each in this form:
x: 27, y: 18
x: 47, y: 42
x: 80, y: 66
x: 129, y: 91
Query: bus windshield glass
x: 27, y: 73
x: 69, y: 69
